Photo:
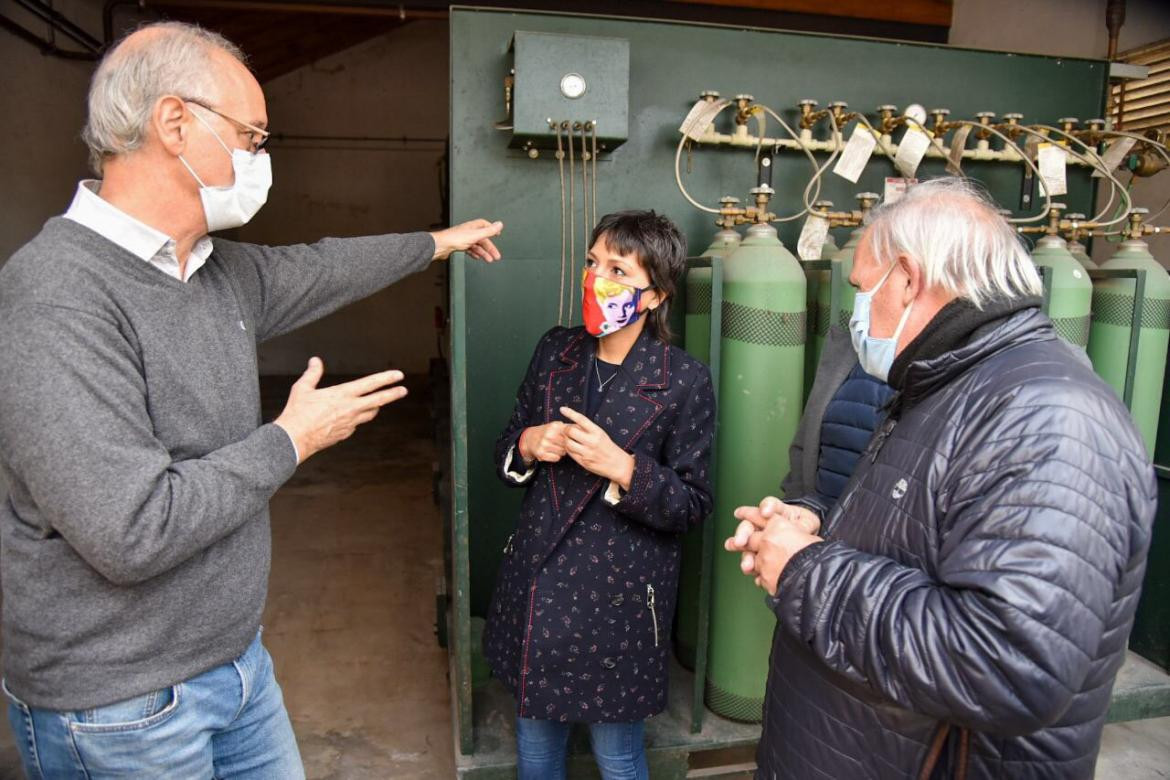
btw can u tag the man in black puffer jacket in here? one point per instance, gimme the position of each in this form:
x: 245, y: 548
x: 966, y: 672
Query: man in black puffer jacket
x: 965, y: 607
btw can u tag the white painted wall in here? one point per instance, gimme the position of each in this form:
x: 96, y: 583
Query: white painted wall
x: 42, y: 110
x: 1071, y: 28
x: 394, y: 85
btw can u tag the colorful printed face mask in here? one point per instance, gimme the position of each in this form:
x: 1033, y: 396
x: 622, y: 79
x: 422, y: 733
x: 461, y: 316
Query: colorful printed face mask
x: 608, y: 306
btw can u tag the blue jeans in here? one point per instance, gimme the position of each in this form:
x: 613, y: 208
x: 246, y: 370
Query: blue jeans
x: 541, y: 746
x: 228, y: 722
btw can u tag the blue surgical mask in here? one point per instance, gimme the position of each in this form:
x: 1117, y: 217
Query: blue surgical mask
x: 876, y: 355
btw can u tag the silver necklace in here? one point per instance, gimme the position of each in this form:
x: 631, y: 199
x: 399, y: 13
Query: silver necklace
x: 601, y: 385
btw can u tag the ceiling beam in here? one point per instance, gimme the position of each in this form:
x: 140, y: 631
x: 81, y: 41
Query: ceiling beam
x: 282, y: 35
x: 925, y: 12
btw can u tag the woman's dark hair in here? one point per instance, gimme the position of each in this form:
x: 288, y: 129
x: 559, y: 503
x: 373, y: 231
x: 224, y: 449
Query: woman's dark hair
x: 659, y: 246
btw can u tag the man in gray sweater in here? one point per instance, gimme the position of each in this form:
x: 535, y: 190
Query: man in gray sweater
x: 134, y: 541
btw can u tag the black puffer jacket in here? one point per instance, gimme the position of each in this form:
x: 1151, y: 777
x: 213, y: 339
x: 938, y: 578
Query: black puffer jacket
x: 981, y: 569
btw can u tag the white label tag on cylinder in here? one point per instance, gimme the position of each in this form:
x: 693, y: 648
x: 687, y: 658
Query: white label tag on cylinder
x: 812, y: 237
x: 700, y: 117
x: 896, y: 188
x: 1052, y: 162
x: 856, y: 154
x: 1114, y: 155
x: 911, y: 151
x: 958, y: 144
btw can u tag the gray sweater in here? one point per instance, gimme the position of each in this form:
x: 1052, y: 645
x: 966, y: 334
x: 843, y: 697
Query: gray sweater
x: 134, y: 542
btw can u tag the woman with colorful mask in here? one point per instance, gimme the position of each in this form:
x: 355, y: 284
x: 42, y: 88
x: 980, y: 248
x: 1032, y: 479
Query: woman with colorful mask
x: 611, y: 438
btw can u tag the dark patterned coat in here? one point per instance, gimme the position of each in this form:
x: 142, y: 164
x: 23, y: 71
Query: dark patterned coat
x: 580, y: 619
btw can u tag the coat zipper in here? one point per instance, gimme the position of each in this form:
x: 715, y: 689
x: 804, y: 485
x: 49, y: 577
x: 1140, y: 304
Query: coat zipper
x: 879, y: 440
x: 508, y: 544
x: 527, y: 639
x: 653, y: 614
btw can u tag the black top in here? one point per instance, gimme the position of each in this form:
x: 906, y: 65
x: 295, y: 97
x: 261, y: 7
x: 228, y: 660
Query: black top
x: 599, y: 379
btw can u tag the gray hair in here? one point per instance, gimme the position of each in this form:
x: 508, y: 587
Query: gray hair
x: 955, y: 233
x: 175, y: 60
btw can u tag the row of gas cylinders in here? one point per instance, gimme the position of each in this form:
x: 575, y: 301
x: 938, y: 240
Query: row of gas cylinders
x: 774, y: 317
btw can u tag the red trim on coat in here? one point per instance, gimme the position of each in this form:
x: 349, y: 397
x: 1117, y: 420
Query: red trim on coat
x: 527, y: 638
x: 552, y: 475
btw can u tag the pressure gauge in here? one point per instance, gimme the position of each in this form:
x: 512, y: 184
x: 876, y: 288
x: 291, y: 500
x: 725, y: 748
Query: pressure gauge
x: 573, y: 85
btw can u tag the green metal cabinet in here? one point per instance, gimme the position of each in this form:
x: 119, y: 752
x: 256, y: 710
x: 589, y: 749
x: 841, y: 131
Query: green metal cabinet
x: 500, y: 311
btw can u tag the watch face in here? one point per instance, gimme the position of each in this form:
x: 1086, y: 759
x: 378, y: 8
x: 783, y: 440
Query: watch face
x: 573, y: 85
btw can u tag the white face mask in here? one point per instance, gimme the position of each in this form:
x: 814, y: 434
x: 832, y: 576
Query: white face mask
x: 875, y: 355
x: 232, y: 206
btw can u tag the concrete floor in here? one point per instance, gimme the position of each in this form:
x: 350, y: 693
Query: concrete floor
x: 357, y: 551
x: 1139, y: 750
x: 357, y: 548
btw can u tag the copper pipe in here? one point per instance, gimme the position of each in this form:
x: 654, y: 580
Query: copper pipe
x: 292, y: 6
x: 46, y: 47
x: 61, y: 23
x: 400, y: 12
x: 1114, y: 20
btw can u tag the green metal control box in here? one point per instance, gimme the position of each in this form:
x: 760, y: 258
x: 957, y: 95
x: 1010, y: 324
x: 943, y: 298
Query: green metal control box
x: 569, y: 78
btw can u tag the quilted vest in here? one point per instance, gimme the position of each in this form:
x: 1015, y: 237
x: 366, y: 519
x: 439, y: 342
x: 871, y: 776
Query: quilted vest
x: 849, y: 422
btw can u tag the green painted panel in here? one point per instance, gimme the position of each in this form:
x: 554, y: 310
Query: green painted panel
x: 599, y: 67
x: 507, y: 306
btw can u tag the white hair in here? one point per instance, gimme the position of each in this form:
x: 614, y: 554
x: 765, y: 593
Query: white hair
x: 953, y: 230
x: 176, y: 60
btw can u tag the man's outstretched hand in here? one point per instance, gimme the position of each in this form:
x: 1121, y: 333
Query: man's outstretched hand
x: 474, y: 238
x: 319, y: 417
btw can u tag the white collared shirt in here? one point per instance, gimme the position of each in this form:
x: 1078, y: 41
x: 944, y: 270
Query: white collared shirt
x: 139, y: 239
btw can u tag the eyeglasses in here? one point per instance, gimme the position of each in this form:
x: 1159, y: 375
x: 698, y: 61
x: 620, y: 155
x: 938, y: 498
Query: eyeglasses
x: 251, y: 131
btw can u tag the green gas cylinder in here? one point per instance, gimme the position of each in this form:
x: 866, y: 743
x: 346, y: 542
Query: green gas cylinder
x: 1109, y: 335
x: 761, y: 383
x: 830, y: 247
x: 828, y: 311
x: 816, y: 280
x: 698, y: 285
x: 1070, y: 292
x: 1076, y: 248
x: 1081, y: 255
x: 698, y: 344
